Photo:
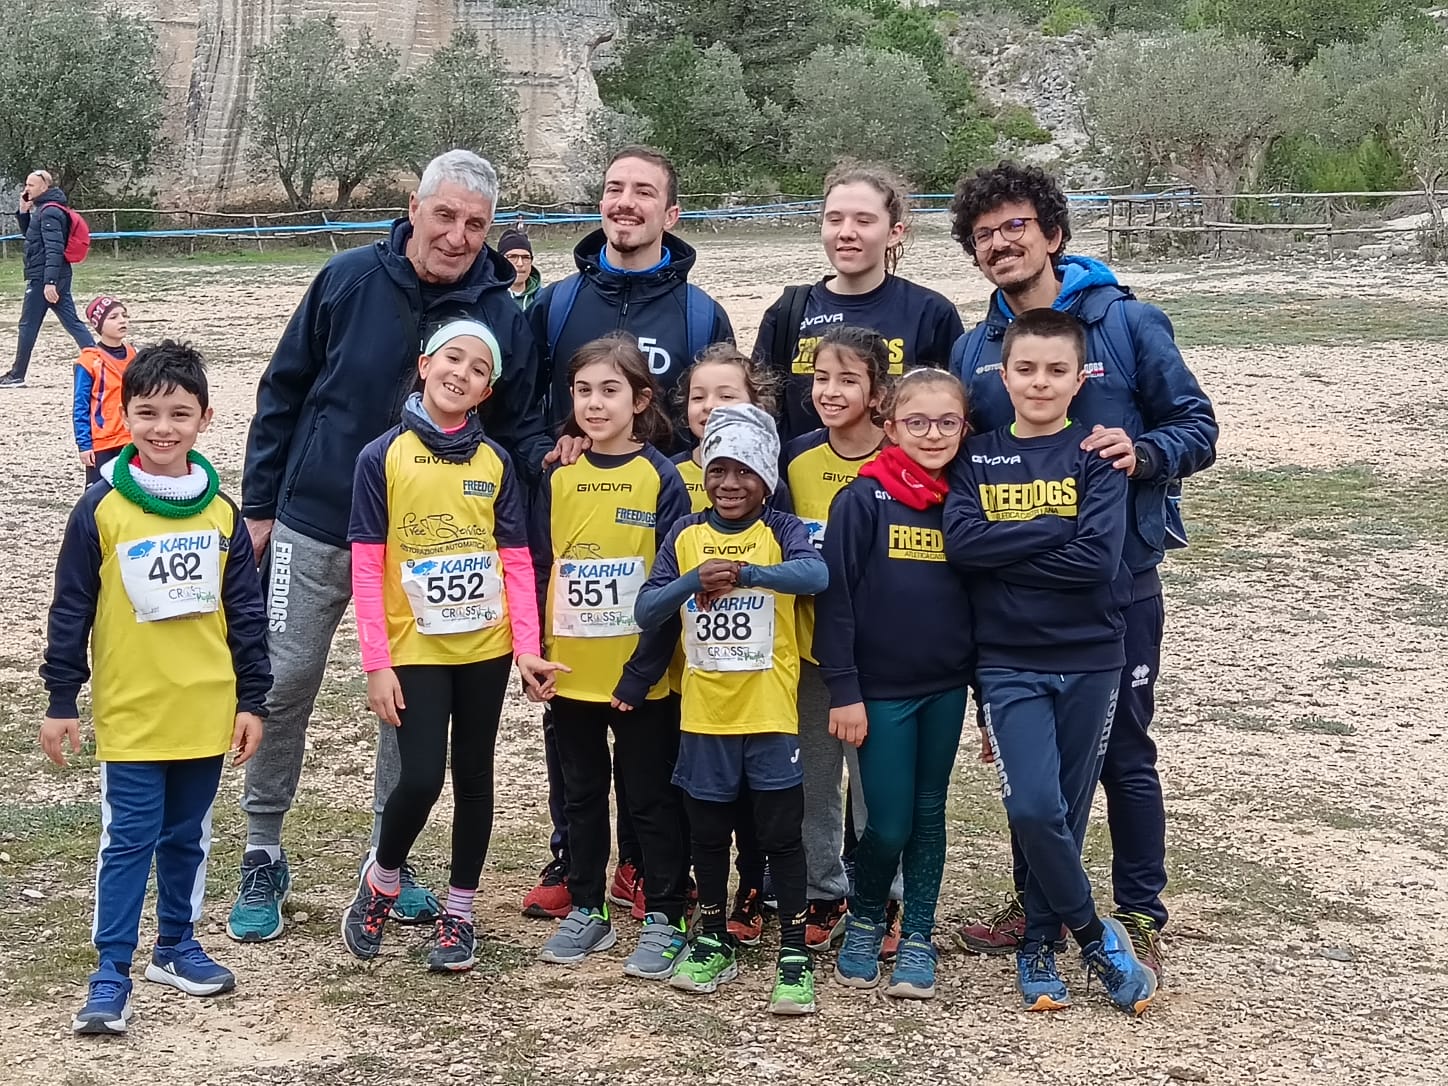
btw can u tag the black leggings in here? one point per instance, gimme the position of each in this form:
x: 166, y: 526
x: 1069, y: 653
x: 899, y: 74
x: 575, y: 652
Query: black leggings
x: 471, y: 696
x: 778, y: 816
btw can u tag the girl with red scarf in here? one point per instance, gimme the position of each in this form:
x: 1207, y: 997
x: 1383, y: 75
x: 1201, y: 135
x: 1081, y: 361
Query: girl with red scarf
x: 893, y: 639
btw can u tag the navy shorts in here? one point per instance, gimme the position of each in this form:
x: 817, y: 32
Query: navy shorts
x: 712, y: 768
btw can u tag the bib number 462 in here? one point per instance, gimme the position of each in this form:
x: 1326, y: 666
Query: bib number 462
x: 178, y: 566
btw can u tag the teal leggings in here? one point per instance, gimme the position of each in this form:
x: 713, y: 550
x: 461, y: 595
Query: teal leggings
x: 905, y: 767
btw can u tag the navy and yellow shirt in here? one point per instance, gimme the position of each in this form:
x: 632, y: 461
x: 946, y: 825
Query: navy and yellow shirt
x: 742, y: 653
x: 895, y: 620
x: 816, y: 473
x: 597, y: 525
x: 172, y: 608
x: 1038, y: 524
x: 919, y: 325
x: 443, y: 524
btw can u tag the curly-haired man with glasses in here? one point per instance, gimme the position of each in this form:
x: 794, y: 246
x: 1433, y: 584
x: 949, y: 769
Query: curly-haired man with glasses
x: 1141, y: 408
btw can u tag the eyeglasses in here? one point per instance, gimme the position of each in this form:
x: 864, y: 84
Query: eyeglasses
x: 1010, y: 230
x: 919, y: 425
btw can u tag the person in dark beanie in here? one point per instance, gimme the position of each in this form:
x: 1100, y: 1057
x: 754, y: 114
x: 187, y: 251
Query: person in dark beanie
x: 46, y: 225
x: 514, y: 245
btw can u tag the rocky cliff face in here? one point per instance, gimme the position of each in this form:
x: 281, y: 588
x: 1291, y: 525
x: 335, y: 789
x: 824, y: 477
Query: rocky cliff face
x: 205, y: 45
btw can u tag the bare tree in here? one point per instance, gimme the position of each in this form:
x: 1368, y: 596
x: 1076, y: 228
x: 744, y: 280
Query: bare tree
x: 1422, y: 140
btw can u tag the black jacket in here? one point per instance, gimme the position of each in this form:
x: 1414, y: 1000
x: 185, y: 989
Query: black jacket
x: 45, y: 232
x: 650, y: 305
x: 347, y: 362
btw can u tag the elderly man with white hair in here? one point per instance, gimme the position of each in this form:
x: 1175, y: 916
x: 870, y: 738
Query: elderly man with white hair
x: 339, y: 377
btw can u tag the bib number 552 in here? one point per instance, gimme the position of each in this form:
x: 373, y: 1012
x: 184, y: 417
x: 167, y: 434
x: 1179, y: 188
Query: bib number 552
x: 456, y: 587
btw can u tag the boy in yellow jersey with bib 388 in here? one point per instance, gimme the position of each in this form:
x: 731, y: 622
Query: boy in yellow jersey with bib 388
x: 733, y: 573
x: 156, y: 571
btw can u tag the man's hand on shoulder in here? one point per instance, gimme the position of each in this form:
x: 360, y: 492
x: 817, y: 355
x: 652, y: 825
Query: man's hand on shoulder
x: 1114, y: 444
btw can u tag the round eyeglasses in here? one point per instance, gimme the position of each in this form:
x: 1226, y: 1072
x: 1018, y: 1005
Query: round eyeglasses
x: 1010, y: 230
x: 919, y: 425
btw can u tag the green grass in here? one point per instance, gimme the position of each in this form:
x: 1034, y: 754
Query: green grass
x: 1210, y: 319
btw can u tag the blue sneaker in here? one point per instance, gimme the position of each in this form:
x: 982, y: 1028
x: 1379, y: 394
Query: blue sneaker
x: 257, y: 914
x: 582, y: 933
x: 1112, y: 959
x: 857, y: 965
x: 1038, y: 979
x: 107, y: 1004
x: 914, y: 974
x: 416, y: 904
x: 188, y: 967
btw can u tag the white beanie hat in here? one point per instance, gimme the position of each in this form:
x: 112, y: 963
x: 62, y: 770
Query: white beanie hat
x: 745, y: 433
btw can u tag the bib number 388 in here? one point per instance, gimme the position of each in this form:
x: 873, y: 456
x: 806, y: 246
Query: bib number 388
x: 172, y: 575
x: 736, y: 633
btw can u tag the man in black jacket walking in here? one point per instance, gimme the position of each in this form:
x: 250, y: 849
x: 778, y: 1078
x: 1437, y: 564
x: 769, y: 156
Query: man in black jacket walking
x: 46, y: 225
x: 341, y: 372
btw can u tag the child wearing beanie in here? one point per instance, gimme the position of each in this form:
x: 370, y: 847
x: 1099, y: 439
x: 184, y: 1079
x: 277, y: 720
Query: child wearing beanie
x: 731, y: 574
x: 96, y: 413
x: 518, y: 250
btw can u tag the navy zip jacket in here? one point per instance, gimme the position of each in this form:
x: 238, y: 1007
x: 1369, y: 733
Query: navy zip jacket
x: 45, y: 230
x: 1039, y: 524
x: 1135, y: 379
x: 895, y: 619
x: 650, y: 305
x: 346, y: 364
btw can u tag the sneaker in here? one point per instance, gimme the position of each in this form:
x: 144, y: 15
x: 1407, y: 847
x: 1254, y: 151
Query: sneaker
x: 416, y: 904
x: 794, y: 989
x: 822, y: 924
x: 858, y: 963
x: 746, y: 922
x: 890, y: 945
x: 914, y: 974
x: 107, y: 1004
x: 1038, y: 979
x: 711, y: 962
x: 661, y: 944
x: 1000, y: 933
x: 454, y: 945
x: 767, y: 897
x: 365, y: 918
x: 188, y: 967
x: 265, y: 884
x: 1112, y: 960
x: 550, y: 899
x: 1145, y: 940
x: 582, y: 933
x: 627, y: 885
x: 11, y: 381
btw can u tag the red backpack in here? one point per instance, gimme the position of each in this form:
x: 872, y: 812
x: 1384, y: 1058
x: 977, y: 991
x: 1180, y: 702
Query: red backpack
x: 78, y: 240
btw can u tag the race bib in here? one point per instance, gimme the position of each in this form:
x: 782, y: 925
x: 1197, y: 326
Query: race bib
x: 816, y: 530
x: 736, y: 633
x: 595, y: 598
x: 457, y: 594
x: 172, y: 575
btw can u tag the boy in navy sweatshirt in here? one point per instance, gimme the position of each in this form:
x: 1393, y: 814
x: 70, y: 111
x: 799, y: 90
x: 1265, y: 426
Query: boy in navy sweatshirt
x: 1039, y: 523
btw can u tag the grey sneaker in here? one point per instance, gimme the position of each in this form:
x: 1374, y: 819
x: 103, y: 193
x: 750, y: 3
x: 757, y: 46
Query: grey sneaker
x: 582, y: 933
x: 454, y: 945
x: 660, y: 944
x: 11, y: 381
x: 365, y: 918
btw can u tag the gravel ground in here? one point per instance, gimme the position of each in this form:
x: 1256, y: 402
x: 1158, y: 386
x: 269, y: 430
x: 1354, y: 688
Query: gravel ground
x: 1300, y: 725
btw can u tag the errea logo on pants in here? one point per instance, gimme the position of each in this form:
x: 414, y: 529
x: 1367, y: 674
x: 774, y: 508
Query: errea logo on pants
x: 1140, y: 675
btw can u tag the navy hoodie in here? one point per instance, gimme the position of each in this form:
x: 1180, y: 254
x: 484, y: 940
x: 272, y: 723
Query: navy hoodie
x: 346, y: 364
x: 1160, y: 405
x: 895, y: 619
x: 919, y: 325
x: 1038, y: 524
x: 45, y: 230
x: 650, y: 305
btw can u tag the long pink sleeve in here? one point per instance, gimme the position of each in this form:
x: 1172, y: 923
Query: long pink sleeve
x: 522, y: 593
x: 368, y: 560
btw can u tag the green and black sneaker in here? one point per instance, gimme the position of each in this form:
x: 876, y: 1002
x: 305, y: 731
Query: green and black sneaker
x: 794, y: 989
x: 711, y: 962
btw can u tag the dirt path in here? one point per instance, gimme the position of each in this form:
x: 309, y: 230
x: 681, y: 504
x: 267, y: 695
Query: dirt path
x: 1300, y: 725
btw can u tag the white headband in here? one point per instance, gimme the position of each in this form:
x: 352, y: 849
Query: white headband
x: 453, y: 329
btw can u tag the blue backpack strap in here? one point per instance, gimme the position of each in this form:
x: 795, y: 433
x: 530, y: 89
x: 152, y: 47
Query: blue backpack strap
x: 560, y: 304
x: 1120, y: 341
x: 698, y: 319
x: 962, y: 367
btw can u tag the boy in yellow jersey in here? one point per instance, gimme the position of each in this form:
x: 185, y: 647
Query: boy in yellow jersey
x: 732, y: 573
x: 156, y: 571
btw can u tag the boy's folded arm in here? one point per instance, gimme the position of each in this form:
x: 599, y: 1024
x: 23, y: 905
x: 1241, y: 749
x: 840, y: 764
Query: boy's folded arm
x: 245, y: 609
x: 803, y: 576
x: 1093, y: 555
x: 65, y: 668
x: 972, y: 542
x: 659, y: 599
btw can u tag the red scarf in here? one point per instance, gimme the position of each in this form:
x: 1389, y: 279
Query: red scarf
x: 905, y: 480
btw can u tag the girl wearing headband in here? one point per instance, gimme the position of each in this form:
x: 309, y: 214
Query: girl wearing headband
x: 443, y: 582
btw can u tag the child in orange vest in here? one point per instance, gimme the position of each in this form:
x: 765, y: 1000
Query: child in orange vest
x: 100, y: 424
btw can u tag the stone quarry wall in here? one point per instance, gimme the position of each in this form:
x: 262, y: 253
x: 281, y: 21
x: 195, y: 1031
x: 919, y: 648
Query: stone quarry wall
x: 205, y: 45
